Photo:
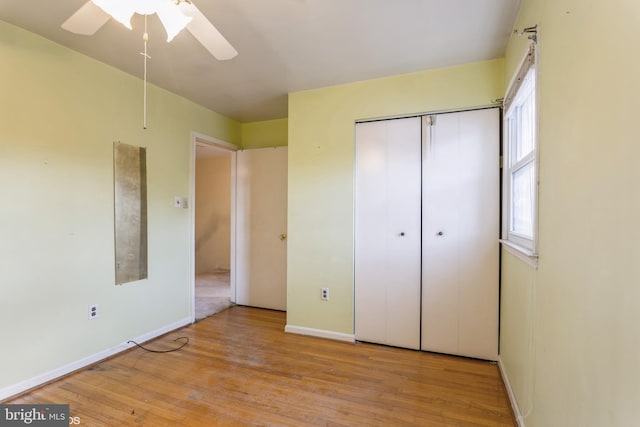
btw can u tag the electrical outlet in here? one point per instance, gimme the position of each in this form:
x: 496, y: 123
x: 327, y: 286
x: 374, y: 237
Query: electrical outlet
x: 325, y: 294
x: 93, y: 311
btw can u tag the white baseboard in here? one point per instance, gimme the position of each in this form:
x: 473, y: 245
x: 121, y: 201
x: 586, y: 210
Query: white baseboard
x: 512, y: 396
x: 54, y: 374
x: 320, y: 333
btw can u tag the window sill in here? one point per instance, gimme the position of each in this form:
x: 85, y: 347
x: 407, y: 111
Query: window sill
x: 524, y: 254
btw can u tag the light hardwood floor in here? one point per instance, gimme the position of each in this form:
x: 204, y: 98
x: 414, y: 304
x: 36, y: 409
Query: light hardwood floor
x: 240, y: 368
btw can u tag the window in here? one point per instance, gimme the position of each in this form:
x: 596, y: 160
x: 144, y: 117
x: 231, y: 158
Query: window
x: 520, y: 166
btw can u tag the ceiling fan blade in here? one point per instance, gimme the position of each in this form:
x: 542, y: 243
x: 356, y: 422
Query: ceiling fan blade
x: 208, y: 35
x: 87, y: 20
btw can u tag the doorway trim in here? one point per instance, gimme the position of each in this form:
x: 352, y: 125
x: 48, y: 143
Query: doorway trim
x: 200, y: 138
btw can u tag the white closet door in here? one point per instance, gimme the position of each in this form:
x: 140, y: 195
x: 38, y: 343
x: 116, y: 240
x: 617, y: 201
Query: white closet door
x: 460, y: 233
x: 387, y: 232
x: 261, y: 226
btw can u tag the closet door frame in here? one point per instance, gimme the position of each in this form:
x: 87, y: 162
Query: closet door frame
x: 365, y: 326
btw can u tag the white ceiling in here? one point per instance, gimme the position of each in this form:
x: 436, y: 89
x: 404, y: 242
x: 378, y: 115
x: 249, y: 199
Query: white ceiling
x: 286, y: 45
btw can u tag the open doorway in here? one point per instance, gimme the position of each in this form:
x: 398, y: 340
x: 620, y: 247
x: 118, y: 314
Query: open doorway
x: 212, y: 228
x: 251, y: 253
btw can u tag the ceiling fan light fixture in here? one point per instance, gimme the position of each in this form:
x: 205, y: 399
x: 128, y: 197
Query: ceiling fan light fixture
x: 168, y: 11
x: 175, y: 16
x: 146, y: 7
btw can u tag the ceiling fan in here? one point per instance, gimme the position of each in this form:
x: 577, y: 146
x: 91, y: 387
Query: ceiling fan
x: 174, y: 14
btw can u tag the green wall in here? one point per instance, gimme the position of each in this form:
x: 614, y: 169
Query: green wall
x: 321, y: 167
x: 268, y: 133
x: 584, y: 295
x: 59, y: 116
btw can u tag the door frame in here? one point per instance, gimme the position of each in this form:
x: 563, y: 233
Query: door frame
x: 199, y: 138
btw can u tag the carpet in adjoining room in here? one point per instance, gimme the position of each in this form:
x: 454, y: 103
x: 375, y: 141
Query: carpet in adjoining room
x: 213, y: 293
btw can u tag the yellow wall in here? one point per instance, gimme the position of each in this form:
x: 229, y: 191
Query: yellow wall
x: 321, y: 166
x: 268, y: 133
x: 516, y: 327
x: 585, y: 293
x: 59, y: 115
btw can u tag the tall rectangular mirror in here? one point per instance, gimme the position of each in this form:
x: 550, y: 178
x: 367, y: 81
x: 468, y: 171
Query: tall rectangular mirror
x: 130, y: 194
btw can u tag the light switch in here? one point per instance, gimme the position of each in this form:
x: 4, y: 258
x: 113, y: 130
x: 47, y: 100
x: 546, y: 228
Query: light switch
x: 177, y: 202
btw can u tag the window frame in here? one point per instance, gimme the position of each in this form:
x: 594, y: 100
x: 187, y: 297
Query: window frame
x: 521, y: 245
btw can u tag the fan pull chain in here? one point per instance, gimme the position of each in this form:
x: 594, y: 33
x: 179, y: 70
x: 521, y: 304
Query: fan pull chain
x: 145, y: 38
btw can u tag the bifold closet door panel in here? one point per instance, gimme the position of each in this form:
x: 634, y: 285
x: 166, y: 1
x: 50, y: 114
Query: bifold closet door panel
x: 479, y: 281
x: 387, y: 232
x: 460, y: 234
x: 441, y: 267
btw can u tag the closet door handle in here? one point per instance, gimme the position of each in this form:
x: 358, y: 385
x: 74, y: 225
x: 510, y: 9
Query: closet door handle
x: 439, y: 233
x: 401, y: 234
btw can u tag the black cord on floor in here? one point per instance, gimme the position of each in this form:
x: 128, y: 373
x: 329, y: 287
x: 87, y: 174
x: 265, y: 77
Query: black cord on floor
x: 163, y: 351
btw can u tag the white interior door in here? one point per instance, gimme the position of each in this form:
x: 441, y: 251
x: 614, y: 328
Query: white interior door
x: 387, y: 232
x: 460, y: 233
x: 261, y: 227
